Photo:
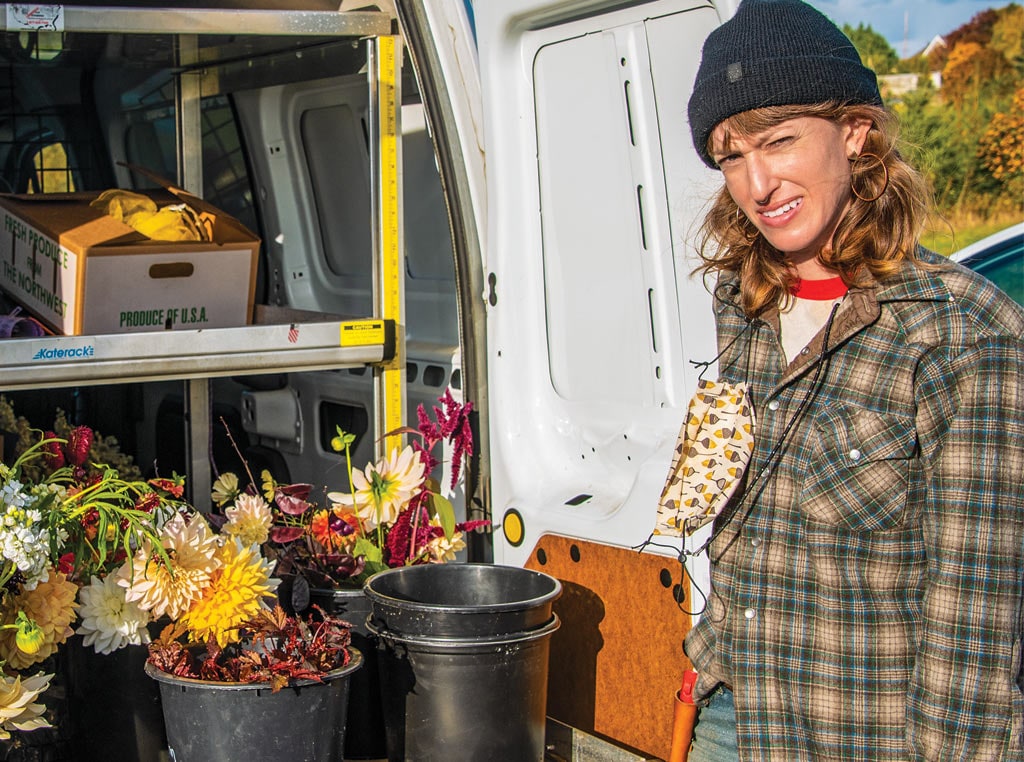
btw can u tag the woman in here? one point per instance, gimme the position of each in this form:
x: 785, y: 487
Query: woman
x: 867, y: 579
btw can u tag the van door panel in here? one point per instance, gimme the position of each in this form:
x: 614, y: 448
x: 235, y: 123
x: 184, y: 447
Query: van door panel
x: 590, y: 246
x: 595, y: 194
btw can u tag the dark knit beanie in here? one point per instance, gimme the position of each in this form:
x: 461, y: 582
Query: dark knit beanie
x: 774, y: 53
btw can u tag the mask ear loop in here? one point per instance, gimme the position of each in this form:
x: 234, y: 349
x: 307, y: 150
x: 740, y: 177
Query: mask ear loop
x: 705, y: 364
x: 685, y: 554
x: 681, y: 552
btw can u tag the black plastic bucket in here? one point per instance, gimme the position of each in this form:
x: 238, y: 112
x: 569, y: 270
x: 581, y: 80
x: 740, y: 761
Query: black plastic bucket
x: 463, y: 658
x: 226, y: 722
x: 461, y: 600
x: 113, y: 708
x: 364, y: 735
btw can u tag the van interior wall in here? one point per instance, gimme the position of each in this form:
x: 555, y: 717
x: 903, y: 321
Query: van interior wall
x: 285, y: 149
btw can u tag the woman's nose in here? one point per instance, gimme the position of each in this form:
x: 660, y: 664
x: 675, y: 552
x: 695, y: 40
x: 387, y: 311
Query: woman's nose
x: 761, y: 180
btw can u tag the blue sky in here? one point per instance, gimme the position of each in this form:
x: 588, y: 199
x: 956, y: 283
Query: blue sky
x: 908, y: 25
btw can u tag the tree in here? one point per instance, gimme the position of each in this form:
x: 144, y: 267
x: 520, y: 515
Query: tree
x: 1008, y: 36
x: 1001, y: 147
x: 875, y: 51
x: 915, y: 65
x: 973, y: 153
x: 977, y: 77
x: 978, y: 30
x: 930, y: 141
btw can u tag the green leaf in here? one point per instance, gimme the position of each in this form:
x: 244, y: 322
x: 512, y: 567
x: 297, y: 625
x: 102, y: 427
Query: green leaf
x: 368, y: 550
x: 372, y: 567
x: 442, y: 508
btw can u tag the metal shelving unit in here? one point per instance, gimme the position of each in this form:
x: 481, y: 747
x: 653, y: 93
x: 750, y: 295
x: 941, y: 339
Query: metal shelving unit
x: 168, y: 20
x: 279, y: 340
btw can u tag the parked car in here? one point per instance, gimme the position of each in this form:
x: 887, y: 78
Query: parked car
x: 1000, y: 258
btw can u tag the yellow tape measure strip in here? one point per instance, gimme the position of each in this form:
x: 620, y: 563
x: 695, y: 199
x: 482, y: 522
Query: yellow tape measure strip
x: 391, y: 302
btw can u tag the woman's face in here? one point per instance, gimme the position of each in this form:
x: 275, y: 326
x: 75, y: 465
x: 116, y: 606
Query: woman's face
x: 792, y: 180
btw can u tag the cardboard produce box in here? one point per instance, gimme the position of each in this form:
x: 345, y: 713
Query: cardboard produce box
x: 81, y: 271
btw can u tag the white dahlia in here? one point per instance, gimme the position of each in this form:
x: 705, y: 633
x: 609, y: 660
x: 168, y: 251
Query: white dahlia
x: 162, y: 588
x: 249, y: 519
x: 385, y: 488
x: 110, y: 622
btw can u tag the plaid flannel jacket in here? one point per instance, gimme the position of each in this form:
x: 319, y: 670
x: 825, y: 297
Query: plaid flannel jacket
x: 867, y: 591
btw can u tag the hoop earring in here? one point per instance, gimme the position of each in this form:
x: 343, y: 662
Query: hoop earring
x: 885, y: 180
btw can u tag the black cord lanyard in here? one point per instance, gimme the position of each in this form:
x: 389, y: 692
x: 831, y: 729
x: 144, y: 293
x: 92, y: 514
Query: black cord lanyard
x: 775, y: 454
x: 747, y: 495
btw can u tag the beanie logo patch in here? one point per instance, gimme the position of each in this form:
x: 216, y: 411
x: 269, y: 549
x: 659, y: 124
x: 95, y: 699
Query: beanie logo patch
x: 734, y: 72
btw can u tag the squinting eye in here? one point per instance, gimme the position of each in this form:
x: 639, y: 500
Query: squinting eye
x: 724, y: 160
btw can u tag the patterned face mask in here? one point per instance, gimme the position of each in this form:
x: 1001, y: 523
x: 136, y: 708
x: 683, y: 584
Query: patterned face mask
x: 711, y: 454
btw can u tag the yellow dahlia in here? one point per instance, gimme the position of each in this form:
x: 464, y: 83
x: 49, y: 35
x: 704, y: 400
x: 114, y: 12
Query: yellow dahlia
x: 384, y: 489
x: 162, y: 589
x: 234, y: 596
x: 51, y: 605
x: 17, y: 712
x: 249, y: 519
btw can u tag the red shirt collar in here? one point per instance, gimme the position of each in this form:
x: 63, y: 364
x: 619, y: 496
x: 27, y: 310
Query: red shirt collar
x: 823, y: 289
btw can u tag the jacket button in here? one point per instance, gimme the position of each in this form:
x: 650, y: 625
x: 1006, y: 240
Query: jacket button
x: 749, y: 613
x: 855, y: 455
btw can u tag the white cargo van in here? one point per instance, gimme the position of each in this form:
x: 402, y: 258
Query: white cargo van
x: 548, y: 195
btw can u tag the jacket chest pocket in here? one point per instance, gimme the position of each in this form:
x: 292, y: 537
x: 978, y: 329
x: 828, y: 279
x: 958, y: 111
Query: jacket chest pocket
x: 860, y: 471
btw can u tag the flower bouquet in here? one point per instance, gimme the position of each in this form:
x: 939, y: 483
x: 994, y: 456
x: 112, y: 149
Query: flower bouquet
x: 227, y: 642
x: 64, y: 518
x: 228, y: 649
x: 217, y: 594
x: 327, y: 545
x: 394, y: 513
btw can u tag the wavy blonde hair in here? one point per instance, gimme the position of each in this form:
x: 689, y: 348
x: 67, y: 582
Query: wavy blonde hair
x: 872, y: 239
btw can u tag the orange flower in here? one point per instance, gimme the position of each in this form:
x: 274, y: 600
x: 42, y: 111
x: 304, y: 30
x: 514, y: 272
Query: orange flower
x: 336, y: 529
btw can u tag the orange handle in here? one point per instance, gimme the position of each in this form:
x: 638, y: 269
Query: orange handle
x: 682, y: 730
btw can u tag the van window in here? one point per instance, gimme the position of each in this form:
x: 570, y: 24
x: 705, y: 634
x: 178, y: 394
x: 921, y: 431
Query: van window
x: 428, y: 240
x: 39, y: 153
x: 150, y: 142
x: 338, y: 162
x: 51, y: 171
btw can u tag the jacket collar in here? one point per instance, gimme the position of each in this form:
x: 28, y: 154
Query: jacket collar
x: 909, y: 283
x: 861, y: 308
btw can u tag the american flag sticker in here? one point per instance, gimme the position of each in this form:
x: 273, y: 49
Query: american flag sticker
x: 293, y: 333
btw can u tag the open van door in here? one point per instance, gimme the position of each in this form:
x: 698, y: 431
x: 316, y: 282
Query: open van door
x: 593, y: 324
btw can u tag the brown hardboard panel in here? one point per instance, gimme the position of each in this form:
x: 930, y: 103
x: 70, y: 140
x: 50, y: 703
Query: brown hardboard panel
x: 617, y: 660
